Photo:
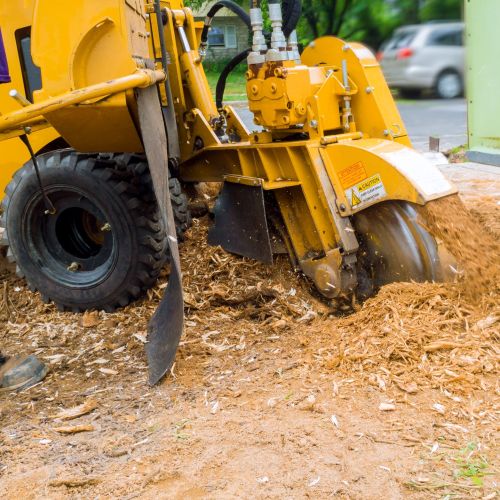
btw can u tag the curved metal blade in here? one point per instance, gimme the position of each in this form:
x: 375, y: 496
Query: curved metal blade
x: 166, y: 325
x: 396, y: 246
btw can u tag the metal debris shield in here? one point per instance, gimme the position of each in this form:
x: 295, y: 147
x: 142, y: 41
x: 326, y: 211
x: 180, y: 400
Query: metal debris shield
x: 166, y: 325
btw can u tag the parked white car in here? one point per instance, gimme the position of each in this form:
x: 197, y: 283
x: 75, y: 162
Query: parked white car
x: 427, y: 56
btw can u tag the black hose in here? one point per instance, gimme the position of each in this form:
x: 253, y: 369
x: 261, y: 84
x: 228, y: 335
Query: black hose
x: 292, y: 10
x: 221, y: 82
x: 234, y: 7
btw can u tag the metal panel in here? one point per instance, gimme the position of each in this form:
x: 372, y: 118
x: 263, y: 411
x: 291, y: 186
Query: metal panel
x: 483, y: 78
x: 240, y: 222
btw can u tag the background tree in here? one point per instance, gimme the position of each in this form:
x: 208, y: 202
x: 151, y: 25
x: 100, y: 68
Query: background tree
x: 369, y: 21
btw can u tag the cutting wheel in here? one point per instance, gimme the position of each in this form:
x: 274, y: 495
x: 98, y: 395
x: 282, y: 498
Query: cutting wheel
x: 396, y: 246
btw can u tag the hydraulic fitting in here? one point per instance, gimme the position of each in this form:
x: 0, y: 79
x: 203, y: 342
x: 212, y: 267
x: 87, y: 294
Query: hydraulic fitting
x: 277, y: 52
x: 293, y: 48
x: 259, y: 46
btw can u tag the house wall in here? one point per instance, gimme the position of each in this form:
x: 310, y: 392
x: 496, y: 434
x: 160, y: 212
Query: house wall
x: 242, y: 42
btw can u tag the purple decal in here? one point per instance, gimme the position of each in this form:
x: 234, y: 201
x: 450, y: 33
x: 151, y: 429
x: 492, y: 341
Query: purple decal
x: 4, y: 68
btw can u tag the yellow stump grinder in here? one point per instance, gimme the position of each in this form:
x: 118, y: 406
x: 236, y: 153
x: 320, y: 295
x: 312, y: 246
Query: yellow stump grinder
x: 107, y: 106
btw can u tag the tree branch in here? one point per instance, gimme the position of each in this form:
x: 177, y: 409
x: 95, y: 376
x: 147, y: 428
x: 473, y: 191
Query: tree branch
x: 331, y: 17
x: 341, y: 16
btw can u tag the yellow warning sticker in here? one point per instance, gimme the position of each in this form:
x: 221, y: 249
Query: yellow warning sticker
x: 354, y: 199
x: 366, y: 191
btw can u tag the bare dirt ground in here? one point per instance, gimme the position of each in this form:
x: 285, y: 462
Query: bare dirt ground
x: 274, y: 394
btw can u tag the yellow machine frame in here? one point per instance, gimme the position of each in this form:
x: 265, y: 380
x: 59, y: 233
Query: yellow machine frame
x: 353, y: 150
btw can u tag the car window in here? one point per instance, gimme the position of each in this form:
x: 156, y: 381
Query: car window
x: 400, y: 39
x: 446, y: 38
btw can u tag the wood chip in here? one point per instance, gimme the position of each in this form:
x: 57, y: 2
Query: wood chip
x: 74, y: 482
x: 108, y: 371
x: 74, y: 429
x: 386, y: 406
x: 90, y: 319
x: 71, y: 413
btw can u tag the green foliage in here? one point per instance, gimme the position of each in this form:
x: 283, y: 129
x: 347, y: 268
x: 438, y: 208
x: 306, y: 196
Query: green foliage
x: 368, y: 21
x: 194, y: 4
x: 441, y: 9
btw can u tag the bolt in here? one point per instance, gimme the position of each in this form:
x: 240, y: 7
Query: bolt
x: 274, y: 88
x: 73, y: 267
x: 313, y: 123
x: 106, y: 227
x: 369, y: 90
x: 255, y: 89
x: 346, y: 47
x: 342, y: 207
x: 300, y: 109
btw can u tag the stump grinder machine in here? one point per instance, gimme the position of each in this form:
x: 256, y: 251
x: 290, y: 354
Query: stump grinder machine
x: 107, y: 106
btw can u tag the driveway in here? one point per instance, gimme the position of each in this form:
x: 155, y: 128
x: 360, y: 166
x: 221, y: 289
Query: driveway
x: 440, y: 118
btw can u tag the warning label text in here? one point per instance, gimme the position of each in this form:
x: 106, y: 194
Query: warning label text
x: 366, y: 191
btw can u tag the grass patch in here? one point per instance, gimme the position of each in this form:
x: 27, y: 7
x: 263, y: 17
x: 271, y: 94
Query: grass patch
x: 235, y: 84
x: 472, y: 467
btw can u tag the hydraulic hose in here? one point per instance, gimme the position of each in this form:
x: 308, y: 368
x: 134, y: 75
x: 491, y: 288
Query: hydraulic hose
x: 221, y: 82
x: 292, y: 10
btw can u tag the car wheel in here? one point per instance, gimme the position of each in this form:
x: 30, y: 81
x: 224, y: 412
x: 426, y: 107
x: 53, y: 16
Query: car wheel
x: 449, y: 85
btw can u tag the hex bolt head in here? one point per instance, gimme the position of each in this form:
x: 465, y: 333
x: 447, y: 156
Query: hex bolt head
x: 342, y: 207
x: 106, y: 228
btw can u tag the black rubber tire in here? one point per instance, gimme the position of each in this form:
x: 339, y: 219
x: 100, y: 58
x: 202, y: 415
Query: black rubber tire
x: 114, y: 267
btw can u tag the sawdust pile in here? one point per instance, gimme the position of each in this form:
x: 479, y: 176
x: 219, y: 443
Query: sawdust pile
x: 418, y: 335
x: 409, y: 335
x: 214, y: 279
x: 486, y: 211
x: 473, y: 245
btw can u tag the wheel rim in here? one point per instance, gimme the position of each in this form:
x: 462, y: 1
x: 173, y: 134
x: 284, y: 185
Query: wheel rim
x: 449, y: 86
x: 396, y: 246
x: 75, y: 246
